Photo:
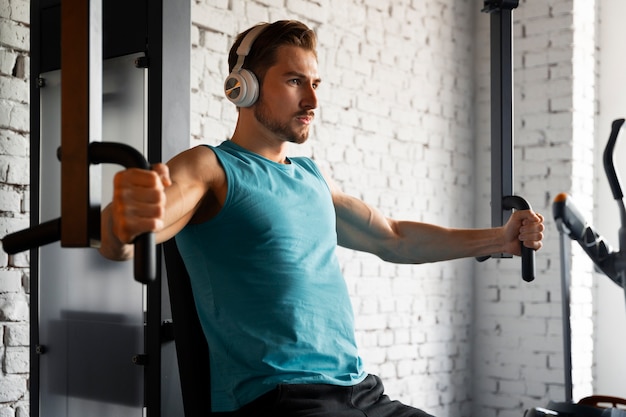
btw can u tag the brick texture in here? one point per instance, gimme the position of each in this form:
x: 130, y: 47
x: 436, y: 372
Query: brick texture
x: 14, y: 189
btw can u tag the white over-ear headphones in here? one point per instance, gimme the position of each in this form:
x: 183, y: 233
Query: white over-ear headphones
x: 241, y: 85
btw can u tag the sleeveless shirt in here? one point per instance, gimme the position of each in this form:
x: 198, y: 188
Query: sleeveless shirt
x: 268, y: 288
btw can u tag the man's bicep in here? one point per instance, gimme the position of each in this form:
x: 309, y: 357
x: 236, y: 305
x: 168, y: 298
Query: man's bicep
x: 361, y: 226
x: 194, y: 173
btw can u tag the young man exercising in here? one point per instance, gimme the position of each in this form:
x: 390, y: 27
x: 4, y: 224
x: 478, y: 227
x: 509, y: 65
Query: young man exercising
x: 258, y: 230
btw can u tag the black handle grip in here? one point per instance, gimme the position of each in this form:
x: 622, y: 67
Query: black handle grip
x: 129, y: 157
x: 528, y: 254
x: 36, y: 236
x: 607, y: 159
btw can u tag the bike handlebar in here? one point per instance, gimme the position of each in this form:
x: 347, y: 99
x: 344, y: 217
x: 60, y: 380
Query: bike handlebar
x: 607, y: 158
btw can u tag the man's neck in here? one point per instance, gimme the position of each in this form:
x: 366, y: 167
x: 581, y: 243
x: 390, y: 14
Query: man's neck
x: 261, y: 142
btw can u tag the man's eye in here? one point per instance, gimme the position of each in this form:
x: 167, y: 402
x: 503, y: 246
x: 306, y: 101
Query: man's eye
x: 295, y: 81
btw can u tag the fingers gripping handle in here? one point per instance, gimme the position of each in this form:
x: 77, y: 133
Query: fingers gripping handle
x: 528, y: 254
x: 129, y: 157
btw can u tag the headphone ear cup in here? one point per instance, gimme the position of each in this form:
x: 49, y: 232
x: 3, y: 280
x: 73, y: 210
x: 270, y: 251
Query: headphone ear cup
x: 242, y: 88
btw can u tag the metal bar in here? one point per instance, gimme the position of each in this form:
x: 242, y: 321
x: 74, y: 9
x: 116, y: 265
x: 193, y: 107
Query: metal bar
x: 501, y: 114
x: 152, y: 334
x: 501, y: 43
x: 81, y: 117
x: 35, y: 170
x: 565, y: 310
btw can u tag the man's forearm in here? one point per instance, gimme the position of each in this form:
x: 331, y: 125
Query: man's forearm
x: 424, y: 243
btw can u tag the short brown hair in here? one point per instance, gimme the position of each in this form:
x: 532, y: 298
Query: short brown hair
x: 263, y: 52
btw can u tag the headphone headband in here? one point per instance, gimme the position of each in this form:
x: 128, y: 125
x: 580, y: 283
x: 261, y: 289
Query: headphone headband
x: 246, y: 45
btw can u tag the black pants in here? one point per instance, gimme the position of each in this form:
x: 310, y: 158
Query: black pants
x: 317, y: 400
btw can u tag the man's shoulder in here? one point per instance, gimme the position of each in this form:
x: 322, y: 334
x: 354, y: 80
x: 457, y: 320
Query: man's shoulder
x: 199, y: 163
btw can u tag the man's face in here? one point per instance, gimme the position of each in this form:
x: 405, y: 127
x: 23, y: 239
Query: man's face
x: 288, y: 98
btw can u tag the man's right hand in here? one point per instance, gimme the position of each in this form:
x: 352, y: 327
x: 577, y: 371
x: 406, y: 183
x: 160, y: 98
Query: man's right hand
x: 138, y: 207
x: 138, y: 204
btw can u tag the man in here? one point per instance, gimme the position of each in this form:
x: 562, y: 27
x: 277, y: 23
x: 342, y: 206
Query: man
x: 258, y: 231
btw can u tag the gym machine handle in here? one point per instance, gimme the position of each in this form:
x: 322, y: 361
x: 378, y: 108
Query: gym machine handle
x: 128, y: 157
x: 528, y: 254
x: 49, y: 232
x: 36, y: 236
x: 501, y: 22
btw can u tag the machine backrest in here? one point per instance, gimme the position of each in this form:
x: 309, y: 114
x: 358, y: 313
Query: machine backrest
x: 191, y: 346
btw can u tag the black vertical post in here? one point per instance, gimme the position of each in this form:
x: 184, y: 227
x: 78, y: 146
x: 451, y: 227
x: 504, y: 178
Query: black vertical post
x: 501, y: 105
x: 502, y: 198
x: 154, y: 129
x: 35, y: 130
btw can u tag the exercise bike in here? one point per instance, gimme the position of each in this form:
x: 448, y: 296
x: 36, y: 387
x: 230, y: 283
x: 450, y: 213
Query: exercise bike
x: 612, y: 263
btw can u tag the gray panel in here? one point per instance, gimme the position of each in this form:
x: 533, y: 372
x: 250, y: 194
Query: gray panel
x: 91, y: 309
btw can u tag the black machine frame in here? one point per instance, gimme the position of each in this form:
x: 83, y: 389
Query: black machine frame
x: 89, y: 32
x: 502, y: 196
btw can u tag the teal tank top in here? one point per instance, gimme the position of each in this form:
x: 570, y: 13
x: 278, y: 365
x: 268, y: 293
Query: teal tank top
x: 268, y: 287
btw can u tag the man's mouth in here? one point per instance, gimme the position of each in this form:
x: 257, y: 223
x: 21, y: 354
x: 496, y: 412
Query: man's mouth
x: 306, y: 118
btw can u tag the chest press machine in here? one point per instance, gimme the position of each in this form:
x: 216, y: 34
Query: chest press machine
x: 100, y: 343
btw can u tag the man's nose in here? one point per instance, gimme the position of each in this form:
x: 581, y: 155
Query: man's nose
x: 309, y: 99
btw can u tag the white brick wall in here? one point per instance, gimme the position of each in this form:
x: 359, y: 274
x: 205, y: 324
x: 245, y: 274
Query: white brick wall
x: 14, y: 181
x: 404, y: 124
